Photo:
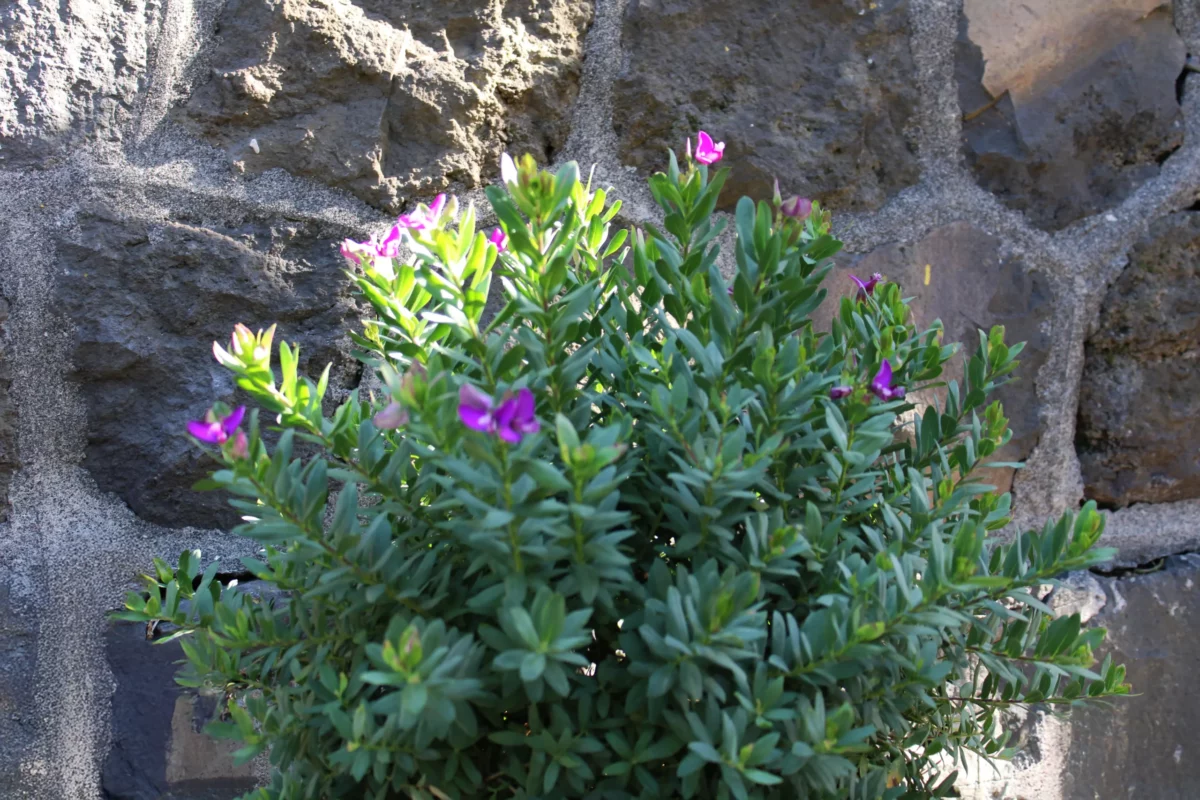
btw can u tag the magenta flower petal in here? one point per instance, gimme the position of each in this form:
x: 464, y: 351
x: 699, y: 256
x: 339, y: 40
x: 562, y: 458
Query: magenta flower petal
x: 881, y: 384
x: 499, y: 239
x: 240, y: 447
x: 838, y: 392
x: 435, y: 208
x: 883, y: 378
x: 796, y: 207
x: 207, y: 432
x: 707, y: 151
x: 868, y: 287
x: 389, y: 245
x: 391, y: 417
x: 525, y: 413
x: 475, y: 408
x: 230, y: 423
x: 356, y: 252
x: 508, y: 433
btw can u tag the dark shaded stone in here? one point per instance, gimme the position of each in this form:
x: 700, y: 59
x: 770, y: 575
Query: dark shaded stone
x: 149, y: 297
x: 972, y: 285
x: 158, y: 748
x: 1139, y: 399
x: 818, y: 94
x: 20, y: 722
x: 1068, y: 106
x: 1144, y: 746
x: 9, y: 460
x: 391, y: 99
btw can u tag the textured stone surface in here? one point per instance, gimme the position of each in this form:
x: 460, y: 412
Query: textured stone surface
x: 18, y: 654
x: 1138, y: 440
x: 158, y: 748
x: 9, y: 460
x: 818, y: 94
x: 1069, y: 105
x: 148, y: 297
x: 960, y: 274
x: 390, y: 99
x: 1145, y: 746
x: 69, y: 73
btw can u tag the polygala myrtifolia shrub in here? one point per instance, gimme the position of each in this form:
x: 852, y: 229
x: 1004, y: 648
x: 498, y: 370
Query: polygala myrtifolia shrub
x: 646, y: 533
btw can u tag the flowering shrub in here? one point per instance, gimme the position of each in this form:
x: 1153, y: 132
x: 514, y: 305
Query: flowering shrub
x: 645, y: 533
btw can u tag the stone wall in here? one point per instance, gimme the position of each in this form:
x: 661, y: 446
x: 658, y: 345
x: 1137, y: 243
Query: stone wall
x: 170, y: 167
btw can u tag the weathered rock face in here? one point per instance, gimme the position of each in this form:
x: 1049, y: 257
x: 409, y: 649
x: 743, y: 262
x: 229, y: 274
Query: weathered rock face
x: 159, y: 748
x: 958, y: 273
x: 9, y: 460
x: 1144, y: 746
x: 19, y: 629
x: 149, y: 297
x: 818, y: 94
x: 69, y: 73
x: 390, y: 99
x: 1069, y: 105
x: 1140, y: 397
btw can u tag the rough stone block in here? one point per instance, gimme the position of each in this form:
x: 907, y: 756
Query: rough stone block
x: 1069, y: 105
x: 1137, y: 437
x: 1144, y: 746
x: 390, y: 99
x: 69, y: 73
x: 149, y: 297
x: 158, y: 749
x: 819, y: 94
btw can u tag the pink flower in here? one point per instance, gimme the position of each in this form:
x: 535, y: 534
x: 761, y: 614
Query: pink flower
x: 365, y: 253
x: 881, y: 384
x: 867, y: 288
x: 796, y: 207
x: 357, y: 252
x: 499, y: 239
x: 708, y: 152
x: 511, y: 419
x: 217, y: 431
x: 240, y: 447
x: 391, y: 417
x: 423, y: 218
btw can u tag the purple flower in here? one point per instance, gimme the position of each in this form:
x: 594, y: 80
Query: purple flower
x: 730, y: 291
x: 391, y: 417
x: 475, y: 409
x: 423, y: 218
x: 838, y: 392
x: 708, y: 152
x: 511, y: 419
x: 499, y: 239
x: 882, y: 386
x: 867, y: 288
x: 516, y: 416
x: 217, y: 431
x: 796, y: 207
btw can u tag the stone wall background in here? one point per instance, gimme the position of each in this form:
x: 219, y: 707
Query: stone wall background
x: 170, y: 167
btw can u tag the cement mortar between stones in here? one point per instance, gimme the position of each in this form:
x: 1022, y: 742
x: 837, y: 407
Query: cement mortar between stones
x: 74, y: 551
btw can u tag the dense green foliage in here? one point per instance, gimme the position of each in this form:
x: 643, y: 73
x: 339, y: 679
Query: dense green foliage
x: 695, y: 574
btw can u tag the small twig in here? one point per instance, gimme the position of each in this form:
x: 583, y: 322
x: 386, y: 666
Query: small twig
x: 970, y: 115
